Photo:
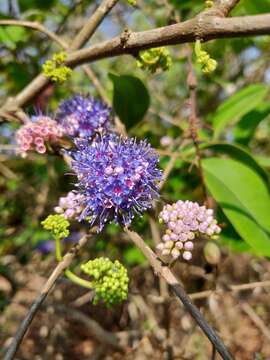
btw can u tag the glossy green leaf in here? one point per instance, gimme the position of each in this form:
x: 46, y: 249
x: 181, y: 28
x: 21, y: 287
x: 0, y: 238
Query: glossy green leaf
x: 246, y: 127
x: 240, y: 153
x: 239, y: 104
x: 236, y: 244
x: 243, y: 197
x: 130, y: 98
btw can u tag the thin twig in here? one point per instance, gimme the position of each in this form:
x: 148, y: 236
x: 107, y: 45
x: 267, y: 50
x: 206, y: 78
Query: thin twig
x: 34, y: 26
x: 214, y: 352
x: 194, y: 123
x: 90, y: 27
x: 163, y: 286
x: 231, y: 288
x: 168, y: 169
x: 256, y: 320
x: 100, y: 334
x: 58, y: 271
x: 165, y: 272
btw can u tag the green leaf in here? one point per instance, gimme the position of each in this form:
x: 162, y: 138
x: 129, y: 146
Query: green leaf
x: 236, y: 244
x: 133, y: 256
x: 249, y: 7
x: 36, y: 4
x: 239, y: 104
x: 16, y: 33
x: 243, y: 197
x: 263, y: 160
x: 4, y: 38
x: 11, y: 35
x: 246, y: 127
x: 130, y: 98
x: 240, y: 153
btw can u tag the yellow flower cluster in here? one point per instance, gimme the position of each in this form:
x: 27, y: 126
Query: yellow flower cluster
x: 154, y: 59
x: 208, y: 64
x: 57, y: 225
x: 55, y: 68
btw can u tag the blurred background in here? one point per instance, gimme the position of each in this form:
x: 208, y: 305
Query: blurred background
x: 233, y: 112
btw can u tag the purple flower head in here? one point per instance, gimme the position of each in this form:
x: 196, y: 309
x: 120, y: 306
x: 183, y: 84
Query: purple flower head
x: 83, y: 116
x: 117, y: 176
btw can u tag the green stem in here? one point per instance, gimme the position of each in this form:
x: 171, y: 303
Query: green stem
x: 69, y: 274
x: 77, y: 280
x: 58, y: 253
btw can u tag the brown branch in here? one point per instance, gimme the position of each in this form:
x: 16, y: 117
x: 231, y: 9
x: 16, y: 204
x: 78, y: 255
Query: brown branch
x: 224, y: 7
x: 205, y: 26
x: 58, y: 271
x: 164, y: 272
x: 256, y: 320
x: 40, y: 82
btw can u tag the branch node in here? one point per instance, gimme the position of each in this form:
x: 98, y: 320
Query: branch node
x: 124, y: 37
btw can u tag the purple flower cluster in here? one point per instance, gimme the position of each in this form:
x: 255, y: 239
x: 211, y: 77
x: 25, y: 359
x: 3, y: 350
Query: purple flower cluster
x: 83, y: 116
x: 185, y: 221
x: 70, y: 206
x: 34, y: 134
x: 117, y: 176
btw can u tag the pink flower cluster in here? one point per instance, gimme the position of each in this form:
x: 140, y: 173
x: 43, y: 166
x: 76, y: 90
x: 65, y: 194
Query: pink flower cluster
x: 185, y: 221
x: 34, y: 135
x: 70, y: 206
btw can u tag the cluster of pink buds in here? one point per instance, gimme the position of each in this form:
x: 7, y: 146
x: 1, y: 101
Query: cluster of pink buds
x: 33, y: 135
x: 70, y: 206
x: 185, y: 221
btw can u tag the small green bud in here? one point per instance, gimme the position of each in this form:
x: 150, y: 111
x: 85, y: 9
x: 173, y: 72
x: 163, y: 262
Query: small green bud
x: 154, y: 59
x: 212, y: 253
x: 57, y: 225
x: 55, y: 70
x: 132, y: 2
x: 209, y: 3
x: 110, y: 280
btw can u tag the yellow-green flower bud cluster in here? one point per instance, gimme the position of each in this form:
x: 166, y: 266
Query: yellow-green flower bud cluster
x: 110, y: 280
x: 154, y: 59
x: 208, y: 64
x: 54, y: 68
x: 132, y: 2
x: 57, y: 225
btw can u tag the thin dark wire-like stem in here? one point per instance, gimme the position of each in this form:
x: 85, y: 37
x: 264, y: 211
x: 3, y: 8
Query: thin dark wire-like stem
x: 165, y: 272
x: 24, y: 327
x: 197, y: 316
